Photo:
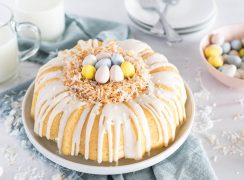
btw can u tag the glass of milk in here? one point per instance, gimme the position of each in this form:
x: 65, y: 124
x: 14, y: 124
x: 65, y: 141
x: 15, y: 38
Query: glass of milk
x: 10, y: 56
x: 48, y: 15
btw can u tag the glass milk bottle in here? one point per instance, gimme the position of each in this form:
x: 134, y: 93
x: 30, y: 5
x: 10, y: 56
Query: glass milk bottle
x: 47, y: 15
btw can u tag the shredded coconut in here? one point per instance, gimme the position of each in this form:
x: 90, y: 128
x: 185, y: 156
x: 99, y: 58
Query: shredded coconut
x: 240, y: 101
x: 9, y: 154
x: 211, y: 138
x: 29, y: 172
x: 228, y: 142
x: 90, y: 91
x: 238, y: 116
x: 58, y: 176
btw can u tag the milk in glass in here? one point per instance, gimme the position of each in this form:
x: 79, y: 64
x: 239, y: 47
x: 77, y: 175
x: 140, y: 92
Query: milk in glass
x: 8, y: 53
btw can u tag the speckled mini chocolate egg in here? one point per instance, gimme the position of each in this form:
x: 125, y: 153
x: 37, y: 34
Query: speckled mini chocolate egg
x: 234, y: 52
x: 242, y: 42
x: 213, y: 50
x: 103, y: 55
x: 90, y: 59
x: 235, y: 60
x: 241, y: 52
x: 102, y: 74
x: 240, y: 73
x: 88, y: 71
x: 217, y: 38
x: 242, y: 65
x: 228, y: 69
x: 128, y: 69
x: 236, y: 44
x: 216, y: 61
x: 116, y: 74
x: 103, y: 62
x: 226, y: 47
x: 117, y: 59
x: 224, y: 56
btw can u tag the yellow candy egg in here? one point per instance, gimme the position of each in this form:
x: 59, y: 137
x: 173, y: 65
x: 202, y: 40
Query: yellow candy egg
x: 216, y: 61
x: 88, y: 71
x: 241, y: 52
x: 128, y: 69
x: 213, y: 50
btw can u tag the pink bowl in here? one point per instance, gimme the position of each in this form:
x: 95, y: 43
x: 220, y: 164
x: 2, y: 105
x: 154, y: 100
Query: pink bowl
x: 230, y: 32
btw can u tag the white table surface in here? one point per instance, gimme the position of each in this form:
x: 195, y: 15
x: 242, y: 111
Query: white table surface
x: 185, y: 56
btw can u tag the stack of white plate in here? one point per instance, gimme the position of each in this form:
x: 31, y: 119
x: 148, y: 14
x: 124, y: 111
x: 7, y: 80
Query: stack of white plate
x: 187, y: 16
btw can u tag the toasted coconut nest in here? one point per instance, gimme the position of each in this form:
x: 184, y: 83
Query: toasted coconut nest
x: 90, y: 91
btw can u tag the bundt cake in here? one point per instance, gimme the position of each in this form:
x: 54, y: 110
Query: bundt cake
x: 108, y: 100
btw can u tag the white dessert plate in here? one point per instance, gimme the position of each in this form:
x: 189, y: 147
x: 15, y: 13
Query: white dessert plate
x: 78, y: 163
x: 184, y: 14
x: 146, y: 28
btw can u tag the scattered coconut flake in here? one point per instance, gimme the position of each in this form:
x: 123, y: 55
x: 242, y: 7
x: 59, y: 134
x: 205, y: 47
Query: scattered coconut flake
x: 203, y: 120
x: 29, y: 172
x: 230, y: 143
x: 8, y: 123
x: 240, y: 101
x: 169, y: 43
x: 58, y: 176
x: 238, y: 116
x: 25, y: 143
x: 9, y: 154
x: 211, y: 138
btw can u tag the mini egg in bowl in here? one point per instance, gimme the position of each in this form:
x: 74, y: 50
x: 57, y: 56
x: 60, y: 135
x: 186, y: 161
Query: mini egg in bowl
x: 222, y: 51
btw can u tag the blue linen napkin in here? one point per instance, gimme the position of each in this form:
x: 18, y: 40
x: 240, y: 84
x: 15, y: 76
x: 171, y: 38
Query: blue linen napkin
x: 189, y: 162
x: 78, y: 28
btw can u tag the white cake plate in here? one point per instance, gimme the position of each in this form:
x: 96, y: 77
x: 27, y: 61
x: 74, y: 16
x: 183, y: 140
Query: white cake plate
x: 49, y: 149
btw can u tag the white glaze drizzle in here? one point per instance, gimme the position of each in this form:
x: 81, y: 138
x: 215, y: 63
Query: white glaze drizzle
x: 50, y: 75
x: 161, y: 64
x: 59, y: 108
x: 171, y: 99
x: 77, y: 132
x: 49, y: 91
x: 133, y: 45
x: 140, y: 113
x: 67, y: 111
x: 117, y: 117
x: 151, y: 105
x: 155, y: 58
x: 55, y: 62
x: 90, y: 122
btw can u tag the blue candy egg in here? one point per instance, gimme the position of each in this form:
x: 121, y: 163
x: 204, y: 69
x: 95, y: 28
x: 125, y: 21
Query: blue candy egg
x: 224, y: 56
x: 235, y: 60
x: 117, y: 59
x: 236, y: 44
x: 103, y: 62
x: 221, y: 68
x: 226, y: 47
